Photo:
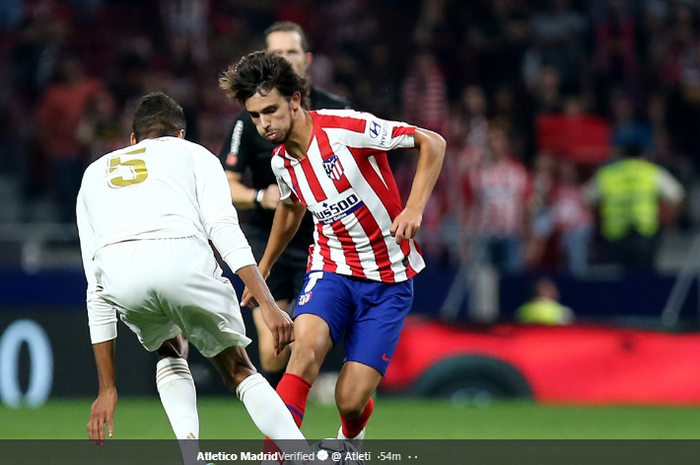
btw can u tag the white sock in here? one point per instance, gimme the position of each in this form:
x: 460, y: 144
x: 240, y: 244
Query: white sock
x: 270, y: 415
x: 178, y: 396
x: 179, y: 399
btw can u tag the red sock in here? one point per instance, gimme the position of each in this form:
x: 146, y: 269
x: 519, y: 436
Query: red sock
x: 294, y: 391
x: 352, y: 428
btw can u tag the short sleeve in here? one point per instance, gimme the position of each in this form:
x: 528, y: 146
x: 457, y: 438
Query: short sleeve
x: 282, y: 176
x: 286, y: 194
x: 388, y: 135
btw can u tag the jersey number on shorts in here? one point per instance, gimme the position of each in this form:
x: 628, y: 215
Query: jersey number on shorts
x: 128, y: 172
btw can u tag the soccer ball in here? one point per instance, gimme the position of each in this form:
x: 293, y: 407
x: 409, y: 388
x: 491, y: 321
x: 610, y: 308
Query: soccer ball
x: 338, y: 452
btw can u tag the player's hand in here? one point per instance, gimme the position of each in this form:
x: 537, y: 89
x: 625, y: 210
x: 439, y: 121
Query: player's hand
x: 271, y: 197
x: 280, y: 325
x: 247, y: 299
x: 406, y: 224
x: 101, y: 415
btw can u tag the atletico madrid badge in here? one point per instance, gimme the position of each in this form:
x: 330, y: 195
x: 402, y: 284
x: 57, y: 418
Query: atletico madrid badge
x: 333, y: 168
x: 304, y: 298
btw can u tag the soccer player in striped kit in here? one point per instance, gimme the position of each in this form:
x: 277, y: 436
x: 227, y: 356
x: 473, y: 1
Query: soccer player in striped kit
x: 358, y: 284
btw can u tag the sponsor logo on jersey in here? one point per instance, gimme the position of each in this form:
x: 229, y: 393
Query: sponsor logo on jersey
x: 333, y: 168
x: 330, y: 212
x: 374, y: 127
x: 379, y: 130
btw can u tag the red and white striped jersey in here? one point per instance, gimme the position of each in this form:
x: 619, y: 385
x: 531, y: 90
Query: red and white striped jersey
x: 345, y: 181
x: 498, y: 194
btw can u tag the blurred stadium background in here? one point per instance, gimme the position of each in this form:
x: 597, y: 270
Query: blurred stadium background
x: 563, y: 87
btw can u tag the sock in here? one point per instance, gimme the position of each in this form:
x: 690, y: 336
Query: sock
x: 294, y: 391
x: 270, y: 415
x: 179, y: 399
x: 178, y: 396
x: 352, y: 428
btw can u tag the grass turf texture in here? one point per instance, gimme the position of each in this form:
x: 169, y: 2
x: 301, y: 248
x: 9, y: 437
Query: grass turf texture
x: 226, y: 418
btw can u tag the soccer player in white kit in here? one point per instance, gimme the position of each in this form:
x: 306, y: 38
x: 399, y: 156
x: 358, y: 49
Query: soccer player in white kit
x: 145, y: 215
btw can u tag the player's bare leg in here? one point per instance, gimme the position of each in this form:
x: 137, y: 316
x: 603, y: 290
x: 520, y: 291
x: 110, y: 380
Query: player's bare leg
x: 353, y: 397
x: 312, y: 344
x: 178, y: 394
x: 268, y: 360
x: 263, y: 404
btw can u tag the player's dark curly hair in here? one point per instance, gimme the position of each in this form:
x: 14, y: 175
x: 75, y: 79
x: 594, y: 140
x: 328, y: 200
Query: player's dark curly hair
x: 260, y: 72
x: 157, y: 115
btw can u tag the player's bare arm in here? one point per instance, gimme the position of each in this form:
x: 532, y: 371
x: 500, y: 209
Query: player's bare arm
x: 102, y: 411
x: 277, y: 321
x: 244, y: 197
x: 284, y: 227
x: 432, y: 154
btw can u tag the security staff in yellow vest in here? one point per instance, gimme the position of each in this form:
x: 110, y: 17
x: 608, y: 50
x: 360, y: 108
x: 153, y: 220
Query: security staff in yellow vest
x: 629, y: 193
x: 543, y: 307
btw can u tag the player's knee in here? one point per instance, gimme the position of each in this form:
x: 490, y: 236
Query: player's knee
x: 305, y: 357
x: 350, y: 407
x: 272, y: 364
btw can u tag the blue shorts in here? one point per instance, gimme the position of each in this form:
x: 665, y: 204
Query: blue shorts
x: 370, y: 314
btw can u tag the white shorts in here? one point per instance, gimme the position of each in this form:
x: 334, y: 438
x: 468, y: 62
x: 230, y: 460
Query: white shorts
x: 164, y: 287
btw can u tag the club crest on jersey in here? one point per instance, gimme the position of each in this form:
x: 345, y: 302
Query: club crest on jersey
x: 304, y: 298
x: 333, y: 168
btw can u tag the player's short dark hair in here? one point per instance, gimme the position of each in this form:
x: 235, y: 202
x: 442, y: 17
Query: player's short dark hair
x: 157, y: 115
x: 260, y: 72
x: 288, y: 26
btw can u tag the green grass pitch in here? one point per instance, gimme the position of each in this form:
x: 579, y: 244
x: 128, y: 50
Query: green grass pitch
x: 393, y: 418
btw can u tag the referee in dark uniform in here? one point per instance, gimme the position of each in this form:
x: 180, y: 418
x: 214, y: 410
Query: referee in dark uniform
x: 246, y: 149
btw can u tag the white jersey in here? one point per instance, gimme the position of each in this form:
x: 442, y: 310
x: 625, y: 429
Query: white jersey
x: 157, y: 189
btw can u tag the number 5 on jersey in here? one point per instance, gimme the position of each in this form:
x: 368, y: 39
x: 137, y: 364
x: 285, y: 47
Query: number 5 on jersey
x: 127, y: 173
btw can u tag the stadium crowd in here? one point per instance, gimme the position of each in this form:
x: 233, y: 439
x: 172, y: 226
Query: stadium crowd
x: 533, y: 98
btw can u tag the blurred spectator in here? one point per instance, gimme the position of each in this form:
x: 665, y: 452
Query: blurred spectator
x: 615, y: 49
x: 630, y: 193
x: 466, y: 147
x: 424, y: 94
x: 544, y: 307
x: 558, y: 41
x: 546, y: 91
x: 57, y: 120
x: 571, y: 217
x: 575, y: 133
x: 100, y: 129
x: 33, y: 58
x: 543, y: 185
x: 499, y: 37
x: 497, y: 195
x: 628, y: 130
x: 466, y: 133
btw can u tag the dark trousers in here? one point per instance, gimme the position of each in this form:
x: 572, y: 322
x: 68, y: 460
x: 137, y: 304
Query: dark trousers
x: 633, y: 251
